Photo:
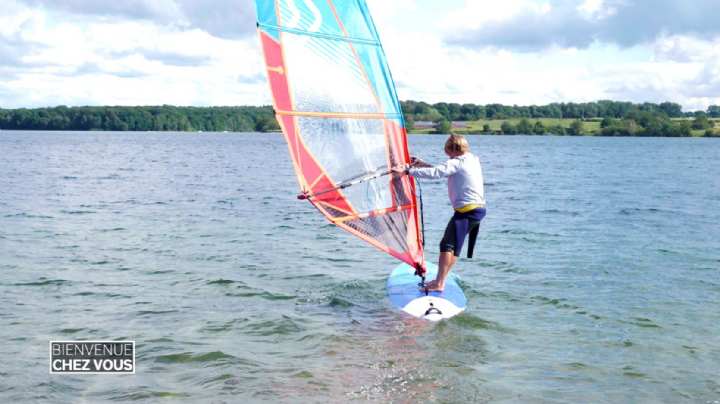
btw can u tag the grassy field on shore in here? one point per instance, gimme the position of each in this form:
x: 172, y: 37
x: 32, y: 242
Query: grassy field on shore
x: 590, y: 126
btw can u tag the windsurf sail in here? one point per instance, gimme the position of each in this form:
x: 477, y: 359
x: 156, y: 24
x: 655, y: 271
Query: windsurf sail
x: 336, y: 103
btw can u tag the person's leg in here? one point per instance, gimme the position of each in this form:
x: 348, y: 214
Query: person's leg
x: 447, y: 259
x: 445, y: 264
x: 451, y: 246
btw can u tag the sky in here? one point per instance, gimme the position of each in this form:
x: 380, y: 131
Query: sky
x: 206, y: 52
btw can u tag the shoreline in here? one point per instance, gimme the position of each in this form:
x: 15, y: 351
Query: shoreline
x: 411, y: 132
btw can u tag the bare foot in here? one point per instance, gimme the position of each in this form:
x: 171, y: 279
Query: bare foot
x: 435, y: 286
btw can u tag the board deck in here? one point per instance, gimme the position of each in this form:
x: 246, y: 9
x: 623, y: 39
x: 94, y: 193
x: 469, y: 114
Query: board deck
x: 404, y: 294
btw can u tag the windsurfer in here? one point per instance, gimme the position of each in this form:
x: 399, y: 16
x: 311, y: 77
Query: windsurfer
x: 467, y: 196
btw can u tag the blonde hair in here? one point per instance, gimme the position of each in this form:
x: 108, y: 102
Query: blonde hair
x: 456, y: 144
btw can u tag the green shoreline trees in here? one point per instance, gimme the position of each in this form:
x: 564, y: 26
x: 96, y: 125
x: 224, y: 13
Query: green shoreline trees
x: 602, y: 118
x: 143, y: 118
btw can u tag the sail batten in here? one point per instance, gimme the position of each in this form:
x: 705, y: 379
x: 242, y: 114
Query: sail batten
x: 335, y: 100
x: 320, y: 35
x: 356, y: 115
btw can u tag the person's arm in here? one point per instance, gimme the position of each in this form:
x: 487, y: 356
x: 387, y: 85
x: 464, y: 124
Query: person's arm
x: 400, y: 170
x: 443, y: 170
x: 416, y: 162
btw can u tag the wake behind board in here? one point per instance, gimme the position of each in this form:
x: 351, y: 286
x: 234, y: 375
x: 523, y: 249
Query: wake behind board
x: 404, y: 294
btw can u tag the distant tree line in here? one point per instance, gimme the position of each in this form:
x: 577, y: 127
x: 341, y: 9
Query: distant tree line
x: 643, y: 124
x: 618, y: 118
x: 145, y: 118
x: 422, y: 111
x: 648, y: 124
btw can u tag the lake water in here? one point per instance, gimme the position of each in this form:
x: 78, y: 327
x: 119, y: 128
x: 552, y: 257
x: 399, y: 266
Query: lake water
x: 596, y: 276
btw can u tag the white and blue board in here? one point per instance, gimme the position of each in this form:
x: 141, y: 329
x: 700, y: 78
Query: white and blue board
x: 405, y: 294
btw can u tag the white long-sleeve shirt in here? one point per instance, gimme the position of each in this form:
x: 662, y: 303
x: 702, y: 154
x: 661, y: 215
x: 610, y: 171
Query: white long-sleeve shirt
x: 465, y: 179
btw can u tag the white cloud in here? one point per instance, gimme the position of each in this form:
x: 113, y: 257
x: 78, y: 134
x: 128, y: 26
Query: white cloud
x: 686, y: 49
x: 596, y: 9
x: 223, y: 18
x: 533, y: 26
x: 474, y: 14
x: 71, y: 52
x: 426, y: 68
x: 94, y: 60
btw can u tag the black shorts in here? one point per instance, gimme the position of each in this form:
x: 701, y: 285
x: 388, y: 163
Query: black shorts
x: 458, y: 228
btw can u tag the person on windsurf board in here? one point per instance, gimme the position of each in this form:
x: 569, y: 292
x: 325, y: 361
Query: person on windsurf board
x: 467, y: 196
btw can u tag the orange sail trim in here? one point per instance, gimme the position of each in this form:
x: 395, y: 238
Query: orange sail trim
x: 356, y: 115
